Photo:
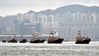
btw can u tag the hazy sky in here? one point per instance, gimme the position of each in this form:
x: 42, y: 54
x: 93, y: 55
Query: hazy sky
x: 11, y: 7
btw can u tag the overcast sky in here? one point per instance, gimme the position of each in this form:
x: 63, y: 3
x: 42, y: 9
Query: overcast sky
x: 11, y: 7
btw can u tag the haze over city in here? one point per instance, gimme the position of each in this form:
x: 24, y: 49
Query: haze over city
x: 65, y: 16
x: 12, y: 7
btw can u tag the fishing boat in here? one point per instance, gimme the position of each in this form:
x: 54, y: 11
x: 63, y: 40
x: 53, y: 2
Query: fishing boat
x: 12, y: 39
x: 36, y: 39
x: 82, y: 40
x: 54, y: 38
x: 23, y: 40
x: 3, y: 41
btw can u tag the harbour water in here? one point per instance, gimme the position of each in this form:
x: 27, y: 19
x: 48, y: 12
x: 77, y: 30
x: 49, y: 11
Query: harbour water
x: 44, y: 49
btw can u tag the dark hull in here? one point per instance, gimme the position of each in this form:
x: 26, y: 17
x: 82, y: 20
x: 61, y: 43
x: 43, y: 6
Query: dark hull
x: 3, y: 41
x: 56, y: 41
x: 13, y: 41
x: 37, y: 41
x: 23, y: 41
x: 83, y: 42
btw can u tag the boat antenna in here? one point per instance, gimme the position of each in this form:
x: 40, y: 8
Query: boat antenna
x: 21, y: 35
x: 9, y: 37
x: 51, y: 31
x: 14, y: 34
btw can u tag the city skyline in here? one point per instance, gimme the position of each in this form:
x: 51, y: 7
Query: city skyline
x: 67, y: 24
x: 13, y: 7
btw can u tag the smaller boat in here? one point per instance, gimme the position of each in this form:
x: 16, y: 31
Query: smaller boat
x: 12, y: 40
x: 23, y: 40
x: 82, y: 40
x: 36, y: 39
x: 3, y: 41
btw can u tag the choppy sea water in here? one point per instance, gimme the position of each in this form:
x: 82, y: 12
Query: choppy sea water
x: 44, y: 49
